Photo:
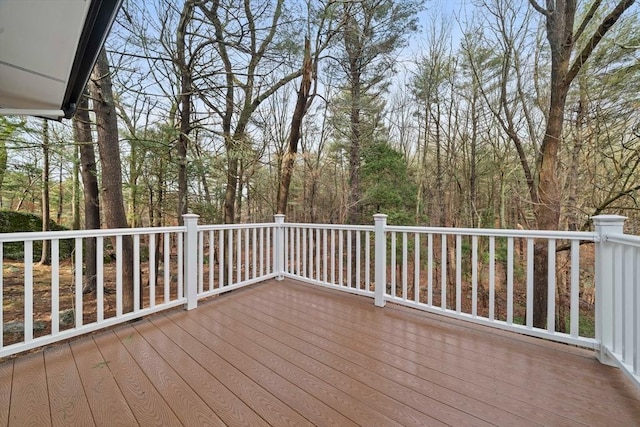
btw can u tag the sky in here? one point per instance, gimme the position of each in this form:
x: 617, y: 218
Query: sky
x: 452, y: 10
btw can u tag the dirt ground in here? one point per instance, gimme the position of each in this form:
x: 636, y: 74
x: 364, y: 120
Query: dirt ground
x: 13, y: 298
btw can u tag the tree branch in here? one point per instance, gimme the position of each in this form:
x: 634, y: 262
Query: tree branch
x: 539, y: 8
x: 604, y: 205
x: 599, y: 34
x: 587, y: 19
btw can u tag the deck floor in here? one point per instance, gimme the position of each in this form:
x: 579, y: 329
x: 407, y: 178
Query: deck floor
x: 285, y: 353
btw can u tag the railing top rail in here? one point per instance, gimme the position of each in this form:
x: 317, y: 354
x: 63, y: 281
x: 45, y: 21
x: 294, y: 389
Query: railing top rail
x: 72, y: 234
x: 624, y: 239
x: 330, y: 226
x: 213, y: 227
x: 498, y: 232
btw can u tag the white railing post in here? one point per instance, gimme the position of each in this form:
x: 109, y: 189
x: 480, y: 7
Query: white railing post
x: 380, y: 258
x: 191, y: 260
x: 279, y: 246
x: 605, y: 275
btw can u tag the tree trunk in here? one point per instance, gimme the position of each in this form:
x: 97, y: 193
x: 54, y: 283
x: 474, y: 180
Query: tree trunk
x: 84, y: 139
x: 185, y: 108
x: 238, y: 207
x: 547, y: 210
x: 296, y: 124
x: 573, y: 218
x: 46, y: 211
x: 76, y: 186
x: 353, y: 208
x: 560, y: 21
x: 60, y: 193
x: 230, y: 192
x: 109, y: 149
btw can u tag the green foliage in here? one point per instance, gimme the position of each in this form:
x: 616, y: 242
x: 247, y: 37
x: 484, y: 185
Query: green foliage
x: 387, y: 186
x: 7, y: 128
x: 15, y: 222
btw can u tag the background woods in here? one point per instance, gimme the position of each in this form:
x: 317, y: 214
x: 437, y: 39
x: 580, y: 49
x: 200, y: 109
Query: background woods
x: 495, y: 113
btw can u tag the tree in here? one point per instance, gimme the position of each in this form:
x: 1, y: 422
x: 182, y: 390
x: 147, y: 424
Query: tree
x: 46, y: 211
x: 7, y: 128
x: 100, y: 88
x: 252, y: 51
x: 185, y: 70
x: 302, y: 104
x: 371, y: 33
x: 388, y: 187
x: 434, y: 71
x: 563, y: 36
x: 84, y: 140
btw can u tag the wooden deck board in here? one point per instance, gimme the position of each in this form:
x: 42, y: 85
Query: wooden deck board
x: 231, y: 409
x: 430, y: 366
x: 355, y: 359
x: 68, y: 402
x: 145, y: 402
x: 106, y: 401
x: 295, y: 397
x: 481, y: 358
x: 6, y: 374
x: 285, y: 353
x: 321, y: 385
x: 271, y: 409
x: 176, y: 392
x: 573, y: 396
x: 29, y: 397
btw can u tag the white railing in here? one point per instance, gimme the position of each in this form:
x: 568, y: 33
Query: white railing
x: 234, y: 256
x: 487, y: 276
x: 618, y: 297
x: 170, y: 266
x: 335, y: 256
x: 484, y: 276
x: 50, y: 299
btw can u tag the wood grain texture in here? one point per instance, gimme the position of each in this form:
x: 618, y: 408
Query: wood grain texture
x: 69, y: 405
x: 525, y: 383
x: 108, y: 405
x: 29, y: 396
x: 291, y: 354
x: 297, y: 397
x: 269, y: 407
x: 230, y: 408
x: 6, y: 379
x: 487, y: 367
x: 360, y: 403
x: 449, y: 386
x: 400, y: 385
x: 145, y: 402
x: 178, y: 395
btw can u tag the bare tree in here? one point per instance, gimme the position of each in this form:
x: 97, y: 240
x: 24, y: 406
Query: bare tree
x: 301, y: 107
x: 100, y: 88
x: 563, y: 36
x: 46, y: 207
x: 84, y: 139
x: 246, y: 85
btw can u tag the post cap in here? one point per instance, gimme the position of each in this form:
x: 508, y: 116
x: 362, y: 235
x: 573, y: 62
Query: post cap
x: 608, y: 219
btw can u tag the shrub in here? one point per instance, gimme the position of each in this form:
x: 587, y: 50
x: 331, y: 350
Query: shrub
x: 16, y: 222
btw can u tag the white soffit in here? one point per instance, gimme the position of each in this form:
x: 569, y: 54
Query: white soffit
x: 42, y: 43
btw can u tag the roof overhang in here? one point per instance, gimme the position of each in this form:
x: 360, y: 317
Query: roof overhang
x: 47, y: 51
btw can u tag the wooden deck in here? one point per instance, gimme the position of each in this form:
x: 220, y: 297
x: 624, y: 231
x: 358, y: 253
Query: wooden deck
x: 285, y: 353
